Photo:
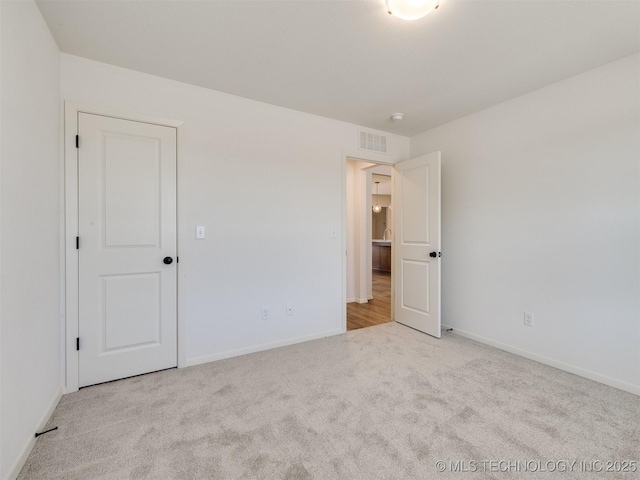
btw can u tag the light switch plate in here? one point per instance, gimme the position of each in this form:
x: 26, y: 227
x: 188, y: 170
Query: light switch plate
x: 199, y: 232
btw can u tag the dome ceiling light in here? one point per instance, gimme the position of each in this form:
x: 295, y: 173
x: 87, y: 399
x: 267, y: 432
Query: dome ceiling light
x: 411, y: 9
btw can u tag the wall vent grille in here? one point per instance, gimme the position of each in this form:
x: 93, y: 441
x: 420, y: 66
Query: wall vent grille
x: 373, y: 142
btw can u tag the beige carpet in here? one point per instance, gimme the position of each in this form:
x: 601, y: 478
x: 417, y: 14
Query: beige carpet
x: 383, y: 402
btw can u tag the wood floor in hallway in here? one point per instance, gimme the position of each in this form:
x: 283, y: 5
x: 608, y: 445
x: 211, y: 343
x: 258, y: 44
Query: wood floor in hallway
x: 376, y: 311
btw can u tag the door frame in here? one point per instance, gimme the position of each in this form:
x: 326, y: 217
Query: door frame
x: 369, y: 157
x: 69, y: 296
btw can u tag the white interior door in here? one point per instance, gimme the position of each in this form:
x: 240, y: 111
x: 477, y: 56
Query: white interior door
x: 127, y: 226
x: 416, y: 200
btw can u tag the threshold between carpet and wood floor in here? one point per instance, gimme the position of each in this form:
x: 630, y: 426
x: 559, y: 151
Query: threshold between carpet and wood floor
x: 385, y: 402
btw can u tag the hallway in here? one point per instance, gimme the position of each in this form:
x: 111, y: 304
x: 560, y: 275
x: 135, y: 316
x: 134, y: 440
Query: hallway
x: 376, y: 311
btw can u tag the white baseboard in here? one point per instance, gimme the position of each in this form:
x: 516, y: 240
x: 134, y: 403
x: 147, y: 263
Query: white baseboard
x: 14, y: 471
x: 364, y: 300
x: 596, y: 377
x: 259, y: 348
x: 358, y: 300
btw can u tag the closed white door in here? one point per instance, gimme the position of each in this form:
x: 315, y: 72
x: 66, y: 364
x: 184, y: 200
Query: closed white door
x: 127, y: 248
x: 417, y: 243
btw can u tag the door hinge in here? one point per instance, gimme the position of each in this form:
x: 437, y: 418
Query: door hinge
x: 77, y: 141
x: 77, y: 243
x: 77, y: 343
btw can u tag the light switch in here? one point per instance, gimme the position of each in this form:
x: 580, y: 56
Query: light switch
x: 199, y: 232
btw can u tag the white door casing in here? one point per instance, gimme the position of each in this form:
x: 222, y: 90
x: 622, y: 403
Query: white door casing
x: 417, y: 237
x: 127, y: 295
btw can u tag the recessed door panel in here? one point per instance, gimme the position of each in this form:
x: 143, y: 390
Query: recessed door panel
x: 132, y: 310
x: 131, y: 171
x: 415, y: 200
x: 127, y: 226
x: 415, y: 278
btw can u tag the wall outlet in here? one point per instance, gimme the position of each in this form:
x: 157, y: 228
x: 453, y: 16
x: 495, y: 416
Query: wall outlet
x: 528, y: 319
x: 265, y: 313
x: 289, y: 309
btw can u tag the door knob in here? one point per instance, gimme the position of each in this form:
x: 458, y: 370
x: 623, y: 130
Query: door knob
x: 168, y: 260
x: 435, y: 254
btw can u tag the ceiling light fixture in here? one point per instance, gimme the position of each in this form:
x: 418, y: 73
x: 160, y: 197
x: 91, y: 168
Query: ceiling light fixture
x: 411, y: 9
x: 397, y: 116
x: 376, y: 206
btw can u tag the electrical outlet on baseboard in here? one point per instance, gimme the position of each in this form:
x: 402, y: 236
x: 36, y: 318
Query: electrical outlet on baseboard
x: 528, y: 319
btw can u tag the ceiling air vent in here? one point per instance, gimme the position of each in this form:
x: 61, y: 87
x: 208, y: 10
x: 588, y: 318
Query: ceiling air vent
x: 373, y: 142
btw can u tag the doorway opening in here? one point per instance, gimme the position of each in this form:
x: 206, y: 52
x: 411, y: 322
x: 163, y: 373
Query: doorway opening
x: 369, y: 220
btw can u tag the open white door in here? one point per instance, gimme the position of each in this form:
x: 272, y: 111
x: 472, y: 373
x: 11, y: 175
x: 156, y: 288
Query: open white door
x: 127, y: 248
x: 416, y: 200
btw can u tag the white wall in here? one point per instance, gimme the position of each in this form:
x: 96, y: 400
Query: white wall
x: 541, y: 213
x: 29, y: 275
x: 267, y: 183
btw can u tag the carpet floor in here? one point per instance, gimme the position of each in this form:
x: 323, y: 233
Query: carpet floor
x: 384, y: 402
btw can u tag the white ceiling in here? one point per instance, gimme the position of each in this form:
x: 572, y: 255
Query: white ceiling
x: 384, y: 186
x: 350, y: 60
